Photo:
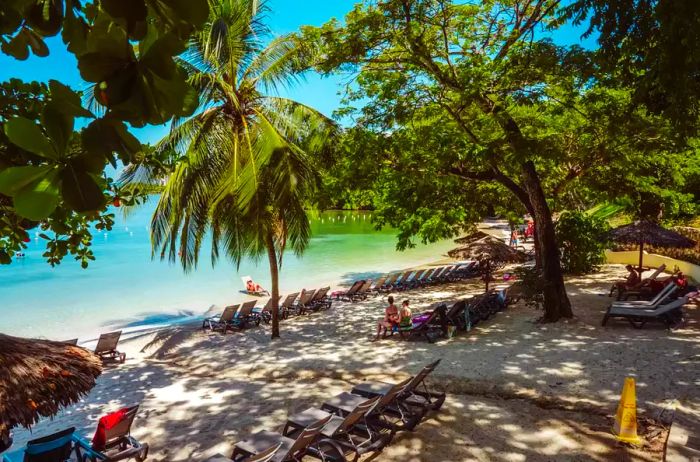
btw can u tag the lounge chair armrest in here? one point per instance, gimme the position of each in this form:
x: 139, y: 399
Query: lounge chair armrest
x: 15, y: 456
x: 86, y: 448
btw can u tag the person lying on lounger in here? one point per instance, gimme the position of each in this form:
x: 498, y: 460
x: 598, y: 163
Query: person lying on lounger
x: 254, y: 288
x: 391, y: 317
x: 630, y: 283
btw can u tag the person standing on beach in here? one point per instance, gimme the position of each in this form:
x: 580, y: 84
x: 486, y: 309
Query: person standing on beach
x: 391, y: 317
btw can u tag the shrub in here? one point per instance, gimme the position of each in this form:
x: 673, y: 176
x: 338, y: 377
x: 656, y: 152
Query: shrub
x: 530, y: 286
x: 582, y: 242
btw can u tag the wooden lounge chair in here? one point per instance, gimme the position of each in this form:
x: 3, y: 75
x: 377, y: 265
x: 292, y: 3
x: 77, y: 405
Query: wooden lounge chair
x: 415, y: 281
x: 342, y: 436
x: 643, y: 288
x: 52, y: 448
x: 456, y: 315
x: 415, y: 394
x: 345, y: 403
x: 350, y: 293
x: 425, y: 277
x: 265, y: 313
x: 73, y: 341
x: 265, y: 456
x: 378, y: 284
x: 321, y: 300
x: 432, y: 325
x: 670, y: 314
x: 289, y: 449
x: 221, y: 322
x: 402, y: 283
x: 245, y: 315
x: 304, y: 303
x: 106, y: 347
x: 363, y: 291
x: 288, y: 305
x: 118, y: 444
x: 435, y: 277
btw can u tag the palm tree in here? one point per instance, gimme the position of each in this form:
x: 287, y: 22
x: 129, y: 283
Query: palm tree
x: 243, y: 171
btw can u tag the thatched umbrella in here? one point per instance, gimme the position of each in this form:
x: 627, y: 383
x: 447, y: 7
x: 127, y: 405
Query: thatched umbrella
x: 471, y: 237
x: 648, y: 232
x: 488, y: 251
x: 39, y: 377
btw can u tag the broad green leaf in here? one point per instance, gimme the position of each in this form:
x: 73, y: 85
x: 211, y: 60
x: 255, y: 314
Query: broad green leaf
x: 38, y: 200
x: 58, y: 124
x: 68, y: 99
x: 80, y: 191
x: 14, y: 179
x: 37, y: 44
x: 28, y: 136
x: 17, y: 47
x: 46, y: 16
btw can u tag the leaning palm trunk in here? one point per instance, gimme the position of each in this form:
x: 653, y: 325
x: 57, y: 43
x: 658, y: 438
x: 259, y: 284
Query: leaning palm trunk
x: 275, y: 293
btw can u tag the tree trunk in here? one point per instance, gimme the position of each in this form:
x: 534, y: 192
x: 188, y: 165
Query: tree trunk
x: 275, y: 292
x: 556, y: 302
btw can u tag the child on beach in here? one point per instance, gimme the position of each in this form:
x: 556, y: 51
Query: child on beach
x: 391, y: 317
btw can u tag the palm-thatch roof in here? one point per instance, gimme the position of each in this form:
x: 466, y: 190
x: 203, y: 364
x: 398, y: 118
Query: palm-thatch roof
x: 648, y: 232
x: 471, y: 237
x: 39, y: 377
x: 488, y: 248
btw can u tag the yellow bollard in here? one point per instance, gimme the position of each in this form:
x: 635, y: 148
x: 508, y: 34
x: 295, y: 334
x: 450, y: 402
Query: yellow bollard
x: 625, y: 427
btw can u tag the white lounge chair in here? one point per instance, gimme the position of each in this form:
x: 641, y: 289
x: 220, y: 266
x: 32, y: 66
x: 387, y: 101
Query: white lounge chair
x: 660, y: 297
x: 670, y: 313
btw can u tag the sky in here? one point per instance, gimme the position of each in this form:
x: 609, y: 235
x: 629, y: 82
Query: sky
x: 322, y: 93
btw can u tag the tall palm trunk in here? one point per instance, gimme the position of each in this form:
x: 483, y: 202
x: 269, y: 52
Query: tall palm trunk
x: 274, y: 277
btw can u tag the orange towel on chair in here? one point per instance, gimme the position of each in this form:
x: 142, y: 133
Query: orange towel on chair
x: 107, y: 422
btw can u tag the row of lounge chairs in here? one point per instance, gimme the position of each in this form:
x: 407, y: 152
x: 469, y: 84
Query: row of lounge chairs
x: 407, y: 280
x: 461, y: 314
x: 347, y: 426
x: 244, y: 315
x: 112, y: 442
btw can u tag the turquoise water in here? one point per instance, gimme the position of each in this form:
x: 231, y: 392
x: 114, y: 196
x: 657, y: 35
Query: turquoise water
x: 124, y: 288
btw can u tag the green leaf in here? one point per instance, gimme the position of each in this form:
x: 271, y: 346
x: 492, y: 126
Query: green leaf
x: 14, y: 179
x: 133, y: 12
x: 28, y: 136
x: 58, y: 124
x: 68, y: 99
x: 37, y: 44
x: 17, y: 47
x: 39, y: 200
x: 80, y: 191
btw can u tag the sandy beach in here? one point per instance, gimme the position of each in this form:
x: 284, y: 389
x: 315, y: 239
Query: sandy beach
x: 517, y: 390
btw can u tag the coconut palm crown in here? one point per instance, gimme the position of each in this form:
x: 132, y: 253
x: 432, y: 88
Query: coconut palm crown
x: 243, y: 169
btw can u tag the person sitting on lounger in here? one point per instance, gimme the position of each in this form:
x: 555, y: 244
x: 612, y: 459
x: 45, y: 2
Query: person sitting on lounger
x: 630, y: 283
x: 391, y: 317
x: 405, y: 319
x: 254, y: 288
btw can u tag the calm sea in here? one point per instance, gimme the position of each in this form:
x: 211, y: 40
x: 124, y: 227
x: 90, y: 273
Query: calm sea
x: 125, y: 289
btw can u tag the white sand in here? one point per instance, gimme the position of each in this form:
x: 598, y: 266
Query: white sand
x: 517, y: 390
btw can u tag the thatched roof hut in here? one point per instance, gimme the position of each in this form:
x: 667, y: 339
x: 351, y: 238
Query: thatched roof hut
x: 39, y: 377
x: 471, y: 237
x: 648, y: 232
x: 488, y: 248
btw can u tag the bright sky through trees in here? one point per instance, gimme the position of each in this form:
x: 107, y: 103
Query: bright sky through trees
x: 285, y: 16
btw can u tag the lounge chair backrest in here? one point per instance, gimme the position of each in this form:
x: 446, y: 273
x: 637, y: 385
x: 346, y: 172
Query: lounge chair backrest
x: 268, y: 305
x: 392, y: 279
x: 321, y: 294
x: 52, y: 448
x: 392, y: 394
x: 665, y: 292
x: 656, y: 272
x: 355, y: 287
x: 365, y: 287
x: 306, y: 296
x: 457, y: 308
x: 358, y: 413
x: 108, y: 342
x: 123, y: 428
x: 73, y: 341
x: 427, y: 320
x: 428, y: 274
x: 405, y: 276
x: 418, y: 275
x: 264, y: 456
x: 447, y: 271
x: 289, y: 301
x: 417, y: 379
x: 670, y: 306
x: 246, y: 309
x: 305, y: 439
x: 380, y: 282
x: 229, y: 313
x: 438, y: 272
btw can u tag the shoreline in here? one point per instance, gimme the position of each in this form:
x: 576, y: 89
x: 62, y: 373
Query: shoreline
x: 135, y: 328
